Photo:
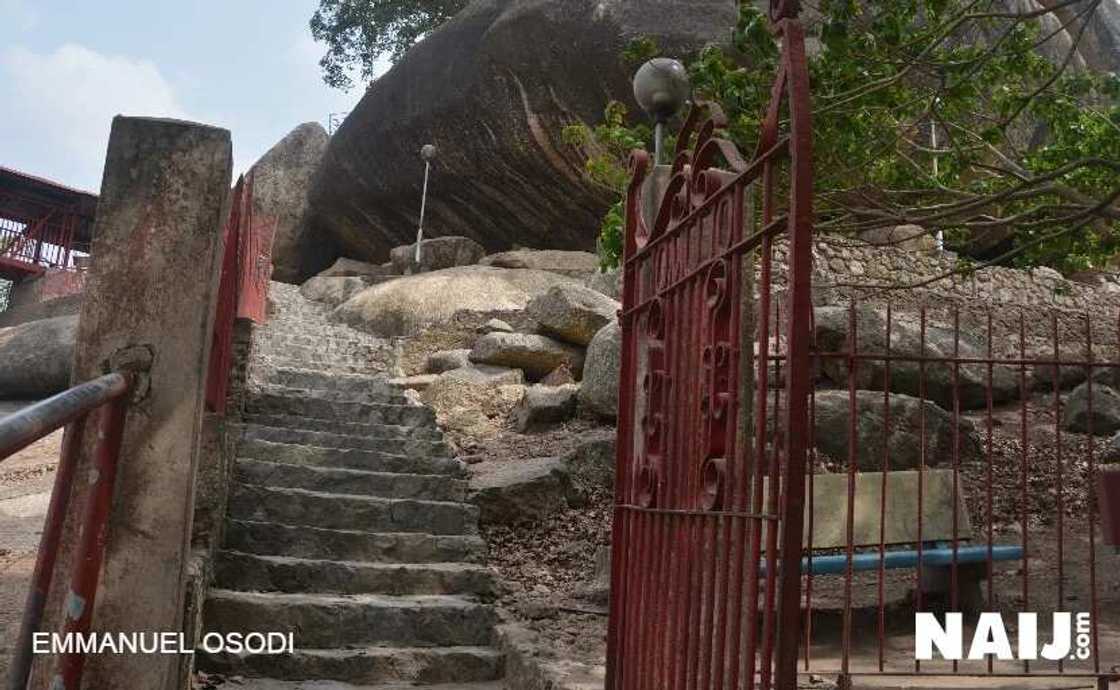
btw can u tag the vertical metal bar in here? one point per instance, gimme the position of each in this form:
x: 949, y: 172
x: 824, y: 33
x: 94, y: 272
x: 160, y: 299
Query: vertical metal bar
x: 989, y: 479
x: 797, y: 372
x: 1059, y: 464
x: 816, y: 363
x: 921, y: 464
x: 954, y: 596
x: 761, y: 383
x: 1090, y: 501
x: 883, y: 492
x: 849, y: 520
x: 1023, y: 470
x: 91, y: 547
x: 773, y: 507
x: 48, y: 554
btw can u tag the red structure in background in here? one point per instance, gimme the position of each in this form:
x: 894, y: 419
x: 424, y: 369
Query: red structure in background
x: 43, y: 225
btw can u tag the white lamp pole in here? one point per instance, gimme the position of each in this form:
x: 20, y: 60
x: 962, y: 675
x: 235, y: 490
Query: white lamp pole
x: 428, y: 153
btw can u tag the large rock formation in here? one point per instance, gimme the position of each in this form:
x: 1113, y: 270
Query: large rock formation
x: 35, y: 357
x: 281, y: 183
x: 493, y: 89
x: 409, y: 305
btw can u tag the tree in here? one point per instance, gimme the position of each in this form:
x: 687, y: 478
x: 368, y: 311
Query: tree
x: 358, y: 32
x: 944, y: 114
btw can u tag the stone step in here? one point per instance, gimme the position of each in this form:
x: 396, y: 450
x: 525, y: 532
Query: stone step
x: 295, y: 423
x: 394, y: 440
x: 364, y: 369
x: 314, y: 380
x: 421, y: 665
x: 271, y: 539
x: 251, y: 572
x: 322, y: 620
x: 339, y: 511
x: 350, y: 458
x: 428, y: 487
x: 268, y: 684
x: 381, y: 394
x: 311, y: 353
x: 367, y: 413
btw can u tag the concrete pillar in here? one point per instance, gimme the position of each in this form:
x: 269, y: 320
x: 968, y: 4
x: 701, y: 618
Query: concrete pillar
x: 150, y: 295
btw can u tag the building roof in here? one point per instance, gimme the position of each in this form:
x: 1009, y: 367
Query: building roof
x: 27, y: 197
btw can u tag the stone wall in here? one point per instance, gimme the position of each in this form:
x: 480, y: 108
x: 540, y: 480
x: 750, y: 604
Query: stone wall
x: 845, y: 269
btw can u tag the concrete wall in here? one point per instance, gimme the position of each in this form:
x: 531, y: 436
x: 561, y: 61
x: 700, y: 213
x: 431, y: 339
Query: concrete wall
x: 151, y: 295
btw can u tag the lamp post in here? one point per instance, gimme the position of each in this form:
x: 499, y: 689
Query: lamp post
x: 661, y: 88
x: 428, y: 153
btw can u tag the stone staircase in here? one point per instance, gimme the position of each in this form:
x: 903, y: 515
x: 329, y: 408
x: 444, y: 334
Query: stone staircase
x: 348, y: 526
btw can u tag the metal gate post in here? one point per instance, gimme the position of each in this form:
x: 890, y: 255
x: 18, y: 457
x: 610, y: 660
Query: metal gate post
x: 800, y: 310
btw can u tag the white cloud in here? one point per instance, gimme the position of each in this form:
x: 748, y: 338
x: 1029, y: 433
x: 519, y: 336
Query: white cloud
x: 65, y: 101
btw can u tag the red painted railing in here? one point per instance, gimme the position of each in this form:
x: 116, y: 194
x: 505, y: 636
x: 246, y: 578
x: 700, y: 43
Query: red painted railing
x: 107, y: 397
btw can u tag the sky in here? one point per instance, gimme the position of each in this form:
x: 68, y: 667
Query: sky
x: 67, y: 67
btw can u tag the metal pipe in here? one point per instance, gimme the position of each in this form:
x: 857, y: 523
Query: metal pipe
x: 48, y: 553
x: 21, y: 429
x: 78, y: 608
x: 423, y: 210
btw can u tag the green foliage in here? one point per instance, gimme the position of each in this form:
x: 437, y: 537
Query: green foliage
x: 607, y: 147
x: 1024, y: 146
x: 358, y: 32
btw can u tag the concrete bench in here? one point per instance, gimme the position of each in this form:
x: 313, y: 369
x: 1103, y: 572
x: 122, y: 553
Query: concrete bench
x: 900, y: 537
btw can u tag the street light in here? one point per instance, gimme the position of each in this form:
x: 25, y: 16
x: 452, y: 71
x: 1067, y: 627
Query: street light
x: 661, y: 88
x: 428, y: 153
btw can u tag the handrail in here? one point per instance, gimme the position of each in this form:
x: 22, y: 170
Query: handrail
x: 32, y: 423
x: 71, y: 408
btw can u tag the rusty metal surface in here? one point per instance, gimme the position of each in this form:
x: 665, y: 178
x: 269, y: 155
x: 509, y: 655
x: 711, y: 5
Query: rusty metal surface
x: 78, y: 608
x: 41, y: 578
x: 221, y: 348
x: 702, y: 596
x: 256, y: 232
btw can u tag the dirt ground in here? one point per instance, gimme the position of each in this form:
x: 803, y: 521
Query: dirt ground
x: 25, y: 484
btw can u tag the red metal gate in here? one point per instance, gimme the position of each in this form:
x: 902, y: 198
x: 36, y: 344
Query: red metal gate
x: 706, y: 547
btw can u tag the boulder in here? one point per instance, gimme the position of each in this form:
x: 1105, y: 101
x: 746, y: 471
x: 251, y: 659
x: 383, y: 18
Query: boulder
x: 495, y: 326
x: 416, y: 383
x: 348, y: 267
x: 559, y: 376
x: 476, y: 410
x: 510, y: 493
x: 608, y: 283
x: 599, y: 390
x: 904, y: 445
x: 1042, y: 376
x: 282, y: 181
x: 597, y: 589
x: 1105, y: 417
x: 1111, y: 453
x: 35, y: 357
x: 831, y: 324
x: 913, y: 238
x: 536, y: 355
x: 592, y: 463
x: 446, y: 360
x: 494, y: 89
x: 332, y: 291
x: 485, y: 375
x: 569, y: 263
x: 435, y: 254
x: 412, y: 304
x: 572, y: 313
x: 544, y: 406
